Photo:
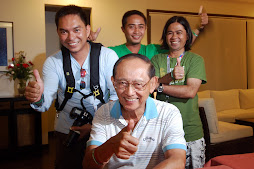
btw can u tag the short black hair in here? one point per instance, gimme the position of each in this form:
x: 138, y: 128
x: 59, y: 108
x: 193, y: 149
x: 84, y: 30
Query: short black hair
x: 130, y: 13
x: 186, y: 26
x: 71, y: 10
x: 151, y: 70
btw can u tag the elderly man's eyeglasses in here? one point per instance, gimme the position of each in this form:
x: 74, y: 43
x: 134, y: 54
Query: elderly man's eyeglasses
x: 123, y: 85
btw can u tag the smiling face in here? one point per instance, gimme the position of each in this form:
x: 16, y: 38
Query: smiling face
x: 133, y: 71
x: 73, y: 33
x: 176, y: 37
x: 134, y: 29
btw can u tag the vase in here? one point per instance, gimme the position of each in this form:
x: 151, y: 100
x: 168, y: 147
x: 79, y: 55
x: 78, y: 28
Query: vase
x: 21, y: 87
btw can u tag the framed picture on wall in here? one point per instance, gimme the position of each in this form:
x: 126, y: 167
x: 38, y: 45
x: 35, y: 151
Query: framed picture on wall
x: 6, y: 44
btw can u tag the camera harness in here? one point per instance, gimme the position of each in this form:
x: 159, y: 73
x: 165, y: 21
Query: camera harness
x: 70, y: 81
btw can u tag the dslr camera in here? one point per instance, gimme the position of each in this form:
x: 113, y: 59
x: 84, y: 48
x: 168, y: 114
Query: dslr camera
x: 82, y: 117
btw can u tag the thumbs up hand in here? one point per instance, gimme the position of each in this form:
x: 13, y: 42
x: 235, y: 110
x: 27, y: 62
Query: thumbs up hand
x: 124, y: 144
x: 34, y: 89
x: 178, y: 70
x: 203, y: 17
x: 130, y: 126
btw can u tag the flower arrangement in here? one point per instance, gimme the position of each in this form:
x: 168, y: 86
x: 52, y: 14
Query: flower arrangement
x: 20, y: 69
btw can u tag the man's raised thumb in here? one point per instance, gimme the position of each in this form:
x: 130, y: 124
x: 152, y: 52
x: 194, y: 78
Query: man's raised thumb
x: 200, y: 9
x: 178, y: 61
x: 37, y: 76
x: 130, y: 126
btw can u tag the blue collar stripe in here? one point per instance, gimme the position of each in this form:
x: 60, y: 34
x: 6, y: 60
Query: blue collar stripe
x: 151, y: 110
x: 116, y: 110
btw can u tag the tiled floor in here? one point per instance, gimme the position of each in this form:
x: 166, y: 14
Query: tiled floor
x: 42, y: 159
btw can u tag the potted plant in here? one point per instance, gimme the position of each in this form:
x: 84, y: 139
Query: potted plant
x: 21, y: 70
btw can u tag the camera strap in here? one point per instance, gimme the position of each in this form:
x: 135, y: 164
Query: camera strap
x: 70, y: 80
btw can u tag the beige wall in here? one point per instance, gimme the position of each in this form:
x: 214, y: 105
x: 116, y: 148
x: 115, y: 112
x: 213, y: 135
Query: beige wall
x: 29, y: 24
x: 29, y: 35
x: 108, y: 13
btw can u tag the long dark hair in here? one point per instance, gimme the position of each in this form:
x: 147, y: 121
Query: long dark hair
x: 186, y: 26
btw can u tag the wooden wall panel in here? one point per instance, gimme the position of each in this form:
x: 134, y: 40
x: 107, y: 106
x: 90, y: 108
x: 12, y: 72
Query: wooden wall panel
x: 222, y: 45
x: 250, y: 53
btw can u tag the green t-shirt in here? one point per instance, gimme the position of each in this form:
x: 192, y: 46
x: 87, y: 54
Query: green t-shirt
x: 146, y: 50
x: 194, y: 67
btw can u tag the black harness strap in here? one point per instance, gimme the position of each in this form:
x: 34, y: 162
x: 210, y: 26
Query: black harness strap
x: 70, y: 81
x: 94, y: 68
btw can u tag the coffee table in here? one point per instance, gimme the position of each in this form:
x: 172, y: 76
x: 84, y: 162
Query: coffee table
x: 246, y: 122
x: 236, y: 161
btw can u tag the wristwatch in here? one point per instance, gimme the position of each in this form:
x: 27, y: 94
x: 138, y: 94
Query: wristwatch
x: 160, y: 88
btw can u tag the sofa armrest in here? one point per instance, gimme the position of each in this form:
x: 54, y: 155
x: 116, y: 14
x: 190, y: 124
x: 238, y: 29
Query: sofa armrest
x: 204, y: 124
x: 206, y: 131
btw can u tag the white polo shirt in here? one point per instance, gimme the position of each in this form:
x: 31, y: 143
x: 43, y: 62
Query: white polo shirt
x: 159, y: 129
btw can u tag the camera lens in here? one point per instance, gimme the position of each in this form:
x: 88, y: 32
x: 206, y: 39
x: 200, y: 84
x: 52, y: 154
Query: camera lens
x: 72, y: 138
x: 83, y: 117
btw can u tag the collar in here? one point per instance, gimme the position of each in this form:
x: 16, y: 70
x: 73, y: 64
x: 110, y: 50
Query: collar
x: 141, y: 48
x: 150, y: 111
x: 86, y: 62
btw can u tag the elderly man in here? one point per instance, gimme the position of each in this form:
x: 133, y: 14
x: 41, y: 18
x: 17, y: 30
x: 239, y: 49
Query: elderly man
x: 136, y: 131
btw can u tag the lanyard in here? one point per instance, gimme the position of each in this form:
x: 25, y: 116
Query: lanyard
x: 168, y: 62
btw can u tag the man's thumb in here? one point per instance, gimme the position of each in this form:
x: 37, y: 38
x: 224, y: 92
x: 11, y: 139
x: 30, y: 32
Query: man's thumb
x: 130, y: 126
x: 200, y: 9
x: 37, y: 76
x: 178, y: 62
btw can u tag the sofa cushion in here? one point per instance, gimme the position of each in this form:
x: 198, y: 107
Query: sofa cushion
x: 231, y: 115
x: 226, y: 117
x: 210, y: 111
x: 247, y: 114
x: 226, y: 100
x: 229, y: 131
x: 246, y: 98
x: 204, y: 94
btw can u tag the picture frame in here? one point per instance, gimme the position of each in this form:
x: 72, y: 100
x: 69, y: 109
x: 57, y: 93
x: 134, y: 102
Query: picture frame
x: 6, y: 44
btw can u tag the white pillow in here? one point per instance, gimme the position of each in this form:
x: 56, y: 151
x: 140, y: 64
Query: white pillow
x: 211, y: 114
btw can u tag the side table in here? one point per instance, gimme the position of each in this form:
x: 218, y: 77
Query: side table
x: 20, y: 127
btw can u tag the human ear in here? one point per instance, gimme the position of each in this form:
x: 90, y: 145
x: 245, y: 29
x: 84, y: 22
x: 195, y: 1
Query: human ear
x: 113, y: 80
x: 88, y: 29
x: 153, y: 83
x: 123, y: 29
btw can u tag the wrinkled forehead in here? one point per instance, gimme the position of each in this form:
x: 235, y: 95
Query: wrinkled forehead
x: 132, y: 66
